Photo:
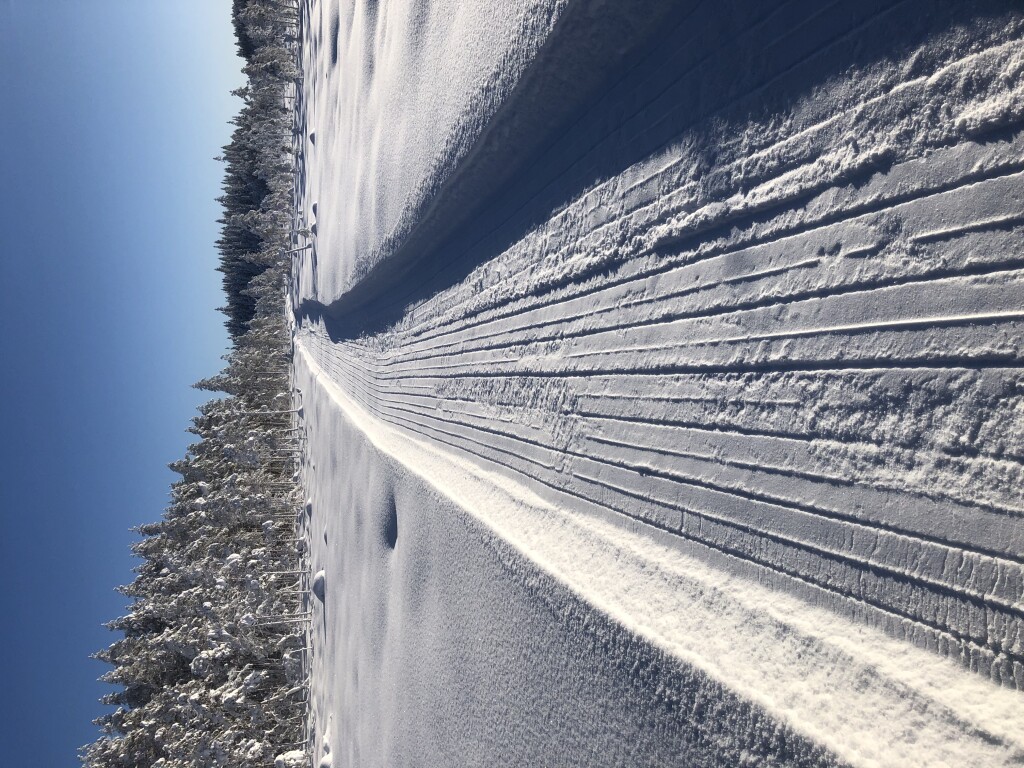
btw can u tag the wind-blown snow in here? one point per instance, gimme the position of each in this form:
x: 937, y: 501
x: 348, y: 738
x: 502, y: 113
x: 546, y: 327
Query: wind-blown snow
x: 706, y: 371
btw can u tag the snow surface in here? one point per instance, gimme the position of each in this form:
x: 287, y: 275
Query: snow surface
x: 405, y: 88
x: 662, y: 367
x: 869, y: 699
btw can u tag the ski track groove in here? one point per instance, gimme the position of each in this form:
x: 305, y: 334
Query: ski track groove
x: 379, y: 380
x: 870, y: 206
x: 978, y: 270
x: 972, y: 648
x: 468, y: 321
x: 385, y: 408
x: 842, y: 328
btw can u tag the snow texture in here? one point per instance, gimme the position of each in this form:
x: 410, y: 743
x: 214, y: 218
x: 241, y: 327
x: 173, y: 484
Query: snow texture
x: 296, y: 758
x: 662, y: 378
x: 319, y: 585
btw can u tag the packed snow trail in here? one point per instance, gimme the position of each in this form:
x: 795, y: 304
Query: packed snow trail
x: 868, y: 699
x: 742, y: 280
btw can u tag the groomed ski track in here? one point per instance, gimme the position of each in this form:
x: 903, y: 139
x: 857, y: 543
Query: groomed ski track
x: 866, y: 699
x: 663, y: 373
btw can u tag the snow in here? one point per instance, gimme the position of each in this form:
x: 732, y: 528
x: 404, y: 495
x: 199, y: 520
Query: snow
x: 409, y: 90
x: 319, y: 585
x: 663, y: 396
x: 869, y: 699
x: 293, y: 759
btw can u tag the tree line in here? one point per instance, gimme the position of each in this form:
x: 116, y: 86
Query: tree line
x: 210, y: 660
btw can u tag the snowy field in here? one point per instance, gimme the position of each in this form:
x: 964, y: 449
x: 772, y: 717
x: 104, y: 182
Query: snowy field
x: 661, y: 367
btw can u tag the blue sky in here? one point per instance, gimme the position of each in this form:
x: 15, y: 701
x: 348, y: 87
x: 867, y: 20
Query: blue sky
x: 111, y: 112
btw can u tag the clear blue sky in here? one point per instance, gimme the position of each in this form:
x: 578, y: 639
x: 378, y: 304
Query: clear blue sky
x: 110, y: 114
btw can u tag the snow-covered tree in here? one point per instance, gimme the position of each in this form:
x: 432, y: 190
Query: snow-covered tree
x: 208, y: 662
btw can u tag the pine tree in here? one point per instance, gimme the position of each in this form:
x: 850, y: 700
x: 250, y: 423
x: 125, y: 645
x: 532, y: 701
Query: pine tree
x: 209, y: 660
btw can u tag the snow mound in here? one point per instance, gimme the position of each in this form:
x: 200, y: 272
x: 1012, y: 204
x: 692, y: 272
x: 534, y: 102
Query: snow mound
x: 319, y: 582
x: 293, y: 759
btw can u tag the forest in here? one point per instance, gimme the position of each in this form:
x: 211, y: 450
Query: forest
x: 208, y: 662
